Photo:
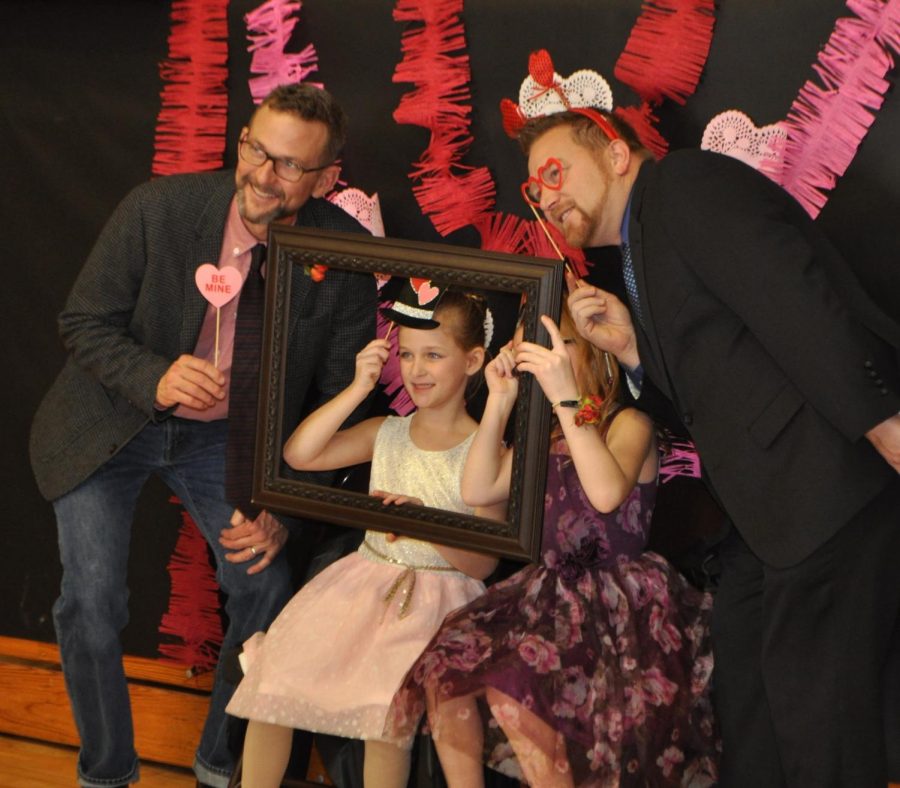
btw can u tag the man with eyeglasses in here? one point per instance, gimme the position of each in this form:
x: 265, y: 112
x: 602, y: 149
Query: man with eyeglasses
x: 146, y: 390
x: 785, y: 374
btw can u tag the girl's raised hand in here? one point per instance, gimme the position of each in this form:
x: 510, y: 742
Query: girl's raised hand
x: 552, y: 367
x: 369, y: 363
x: 397, y: 499
x: 500, y: 373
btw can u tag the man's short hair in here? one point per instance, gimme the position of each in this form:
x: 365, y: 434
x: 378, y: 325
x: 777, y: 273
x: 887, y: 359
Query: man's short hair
x: 585, y: 131
x: 314, y: 104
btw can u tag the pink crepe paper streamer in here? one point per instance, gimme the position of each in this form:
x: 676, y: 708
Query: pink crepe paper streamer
x: 269, y: 29
x: 681, y: 459
x: 390, y: 378
x: 827, y: 122
x: 190, y: 127
x: 434, y: 60
x: 193, y: 615
x: 667, y: 49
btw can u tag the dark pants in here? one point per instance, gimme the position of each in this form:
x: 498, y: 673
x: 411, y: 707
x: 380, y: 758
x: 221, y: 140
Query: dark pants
x: 801, y: 657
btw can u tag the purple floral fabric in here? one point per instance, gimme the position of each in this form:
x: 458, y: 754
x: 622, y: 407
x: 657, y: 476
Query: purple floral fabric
x: 606, y: 643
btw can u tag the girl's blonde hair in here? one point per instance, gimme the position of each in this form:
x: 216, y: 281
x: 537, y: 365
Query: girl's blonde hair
x: 463, y: 314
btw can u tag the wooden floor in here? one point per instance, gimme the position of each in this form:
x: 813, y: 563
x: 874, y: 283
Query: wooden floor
x: 26, y: 763
x: 29, y: 763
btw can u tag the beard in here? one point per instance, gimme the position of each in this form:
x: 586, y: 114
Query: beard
x: 578, y: 232
x: 276, y: 212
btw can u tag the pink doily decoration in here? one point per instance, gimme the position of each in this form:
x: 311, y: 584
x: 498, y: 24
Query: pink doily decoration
x: 734, y: 134
x: 366, y: 210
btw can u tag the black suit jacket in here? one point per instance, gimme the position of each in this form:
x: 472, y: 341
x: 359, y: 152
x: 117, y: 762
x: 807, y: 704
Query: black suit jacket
x: 135, y: 308
x: 773, y: 355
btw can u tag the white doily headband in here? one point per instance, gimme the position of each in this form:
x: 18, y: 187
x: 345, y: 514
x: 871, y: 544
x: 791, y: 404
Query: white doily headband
x: 544, y: 92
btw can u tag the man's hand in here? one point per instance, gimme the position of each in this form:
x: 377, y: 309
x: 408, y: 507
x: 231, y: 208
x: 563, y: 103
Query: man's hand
x: 603, y: 320
x: 885, y: 437
x: 190, y: 381
x: 247, y: 540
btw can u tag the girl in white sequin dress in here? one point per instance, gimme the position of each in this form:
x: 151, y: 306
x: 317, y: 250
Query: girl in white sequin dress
x: 336, y: 654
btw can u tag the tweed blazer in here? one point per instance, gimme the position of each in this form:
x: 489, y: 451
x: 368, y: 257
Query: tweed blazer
x: 774, y: 356
x: 134, y: 309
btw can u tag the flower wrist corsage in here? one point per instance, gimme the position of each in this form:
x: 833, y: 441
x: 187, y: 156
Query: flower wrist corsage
x: 589, y: 412
x: 588, y: 408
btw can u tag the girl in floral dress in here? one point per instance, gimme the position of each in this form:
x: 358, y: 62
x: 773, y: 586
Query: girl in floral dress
x: 336, y: 654
x: 592, y: 667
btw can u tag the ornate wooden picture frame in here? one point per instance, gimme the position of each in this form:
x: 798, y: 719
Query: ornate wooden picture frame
x: 536, y: 283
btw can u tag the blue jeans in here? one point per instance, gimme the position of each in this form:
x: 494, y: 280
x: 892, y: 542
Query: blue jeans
x: 94, y: 522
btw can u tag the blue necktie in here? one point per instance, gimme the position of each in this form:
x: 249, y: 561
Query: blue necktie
x: 631, y: 282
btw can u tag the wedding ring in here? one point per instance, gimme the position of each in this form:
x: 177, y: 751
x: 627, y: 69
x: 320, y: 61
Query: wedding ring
x: 253, y: 549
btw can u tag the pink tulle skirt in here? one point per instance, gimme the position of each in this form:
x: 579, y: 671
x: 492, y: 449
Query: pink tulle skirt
x: 336, y: 654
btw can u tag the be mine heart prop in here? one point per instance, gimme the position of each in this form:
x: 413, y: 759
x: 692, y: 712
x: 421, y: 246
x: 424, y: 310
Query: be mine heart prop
x: 218, y: 285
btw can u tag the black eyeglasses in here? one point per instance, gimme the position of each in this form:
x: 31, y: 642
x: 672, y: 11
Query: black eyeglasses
x: 287, y: 169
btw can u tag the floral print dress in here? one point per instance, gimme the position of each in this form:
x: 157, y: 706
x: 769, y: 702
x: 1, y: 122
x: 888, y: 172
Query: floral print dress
x: 604, y: 642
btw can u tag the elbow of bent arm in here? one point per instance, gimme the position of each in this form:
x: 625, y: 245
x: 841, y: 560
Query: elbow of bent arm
x: 480, y: 494
x: 294, y: 456
x: 609, y: 497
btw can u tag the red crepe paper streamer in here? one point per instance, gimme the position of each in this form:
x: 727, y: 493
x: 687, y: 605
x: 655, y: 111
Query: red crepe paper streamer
x: 190, y: 137
x: 538, y: 245
x: 827, y: 122
x: 643, y: 121
x: 664, y: 58
x: 453, y: 201
x: 504, y: 233
x: 193, y: 617
x: 269, y: 29
x: 508, y: 233
x: 667, y: 49
x: 434, y: 60
x: 190, y: 127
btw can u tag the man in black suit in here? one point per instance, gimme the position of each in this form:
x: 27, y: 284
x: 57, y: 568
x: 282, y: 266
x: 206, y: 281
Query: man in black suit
x: 785, y: 374
x: 146, y: 390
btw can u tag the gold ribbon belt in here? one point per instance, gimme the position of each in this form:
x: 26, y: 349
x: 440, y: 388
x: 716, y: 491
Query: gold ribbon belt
x: 405, y: 584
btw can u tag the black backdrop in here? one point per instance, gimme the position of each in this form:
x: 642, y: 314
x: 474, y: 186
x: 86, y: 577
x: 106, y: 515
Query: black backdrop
x: 79, y: 91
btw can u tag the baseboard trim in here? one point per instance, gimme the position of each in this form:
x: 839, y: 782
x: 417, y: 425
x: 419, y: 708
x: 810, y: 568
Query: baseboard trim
x: 168, y: 703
